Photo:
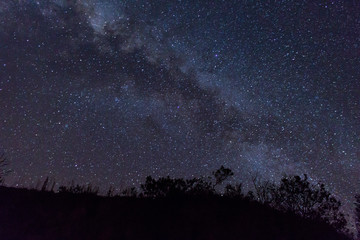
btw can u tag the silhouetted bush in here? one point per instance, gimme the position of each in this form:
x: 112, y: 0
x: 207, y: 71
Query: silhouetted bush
x: 298, y: 195
x: 163, y: 187
x: 129, y: 192
x: 263, y: 191
x: 3, y: 167
x: 234, y: 191
x: 294, y: 194
x: 200, y: 187
x: 79, y: 189
x: 110, y: 192
x: 171, y: 187
x: 222, y: 174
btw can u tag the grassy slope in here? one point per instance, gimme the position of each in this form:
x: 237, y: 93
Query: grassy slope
x: 26, y: 214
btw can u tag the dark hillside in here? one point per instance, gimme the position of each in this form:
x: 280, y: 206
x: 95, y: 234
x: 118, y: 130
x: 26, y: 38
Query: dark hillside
x: 28, y: 214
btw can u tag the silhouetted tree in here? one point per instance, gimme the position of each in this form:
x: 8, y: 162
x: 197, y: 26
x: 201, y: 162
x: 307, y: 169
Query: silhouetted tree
x: 298, y: 195
x: 293, y: 194
x: 222, y: 174
x: 313, y: 201
x: 263, y: 191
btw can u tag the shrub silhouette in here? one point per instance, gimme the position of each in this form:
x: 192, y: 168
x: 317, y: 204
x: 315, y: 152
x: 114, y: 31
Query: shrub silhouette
x: 298, y: 195
x: 294, y: 194
x: 110, y: 192
x: 200, y: 187
x: 263, y: 191
x: 222, y: 174
x: 171, y: 187
x: 163, y: 187
x: 79, y: 189
x: 129, y: 192
x: 3, y: 167
x: 234, y: 191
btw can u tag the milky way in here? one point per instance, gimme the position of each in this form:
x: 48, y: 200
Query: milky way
x: 109, y: 92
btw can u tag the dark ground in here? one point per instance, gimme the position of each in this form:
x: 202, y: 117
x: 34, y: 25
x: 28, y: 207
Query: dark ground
x: 29, y: 214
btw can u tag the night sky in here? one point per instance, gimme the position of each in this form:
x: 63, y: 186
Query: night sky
x: 108, y: 92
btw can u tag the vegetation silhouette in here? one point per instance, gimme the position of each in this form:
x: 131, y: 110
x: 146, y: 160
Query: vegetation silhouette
x: 174, y: 208
x: 222, y: 174
x: 3, y: 167
x: 79, y: 189
x: 357, y: 214
x: 297, y: 195
x: 175, y: 187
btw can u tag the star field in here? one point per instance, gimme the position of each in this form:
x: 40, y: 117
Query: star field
x: 108, y: 92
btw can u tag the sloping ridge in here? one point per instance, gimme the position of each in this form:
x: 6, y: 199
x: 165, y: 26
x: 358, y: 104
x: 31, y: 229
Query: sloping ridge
x: 30, y: 214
